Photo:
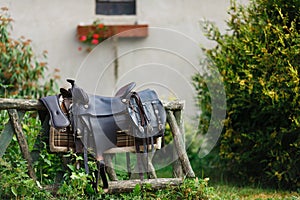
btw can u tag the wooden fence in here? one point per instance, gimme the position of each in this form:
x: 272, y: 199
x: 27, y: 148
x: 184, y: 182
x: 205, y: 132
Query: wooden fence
x: 17, y: 107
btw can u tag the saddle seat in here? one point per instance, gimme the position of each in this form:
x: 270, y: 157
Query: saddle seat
x: 104, y: 106
x: 100, y: 106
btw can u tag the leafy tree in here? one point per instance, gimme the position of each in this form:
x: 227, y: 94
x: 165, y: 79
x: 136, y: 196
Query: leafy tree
x: 259, y: 59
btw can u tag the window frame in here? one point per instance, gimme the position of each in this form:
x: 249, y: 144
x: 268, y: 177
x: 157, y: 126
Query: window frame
x: 114, y: 7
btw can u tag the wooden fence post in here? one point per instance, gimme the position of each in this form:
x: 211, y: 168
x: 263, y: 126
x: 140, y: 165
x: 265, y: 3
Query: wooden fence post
x: 177, y: 167
x: 14, y: 118
x: 179, y: 145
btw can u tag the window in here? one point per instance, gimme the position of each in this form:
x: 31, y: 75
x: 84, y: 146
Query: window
x: 115, y: 7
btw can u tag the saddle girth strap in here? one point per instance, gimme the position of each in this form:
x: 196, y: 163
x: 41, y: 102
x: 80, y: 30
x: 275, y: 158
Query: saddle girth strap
x: 160, y: 124
x: 141, y: 108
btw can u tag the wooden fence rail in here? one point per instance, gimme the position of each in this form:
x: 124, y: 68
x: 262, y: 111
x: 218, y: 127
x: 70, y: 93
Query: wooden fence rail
x: 17, y: 107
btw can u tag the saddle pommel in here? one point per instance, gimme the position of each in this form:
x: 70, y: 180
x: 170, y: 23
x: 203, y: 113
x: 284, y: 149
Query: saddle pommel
x: 78, y: 94
x: 71, y: 81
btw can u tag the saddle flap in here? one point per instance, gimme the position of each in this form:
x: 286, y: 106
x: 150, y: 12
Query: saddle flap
x: 58, y: 118
x: 148, y: 116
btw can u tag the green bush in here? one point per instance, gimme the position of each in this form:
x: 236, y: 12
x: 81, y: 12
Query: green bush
x: 259, y: 59
x: 21, y: 71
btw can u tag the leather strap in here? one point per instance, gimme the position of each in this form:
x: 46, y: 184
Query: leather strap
x: 100, y: 172
x: 141, y: 108
x: 159, y: 123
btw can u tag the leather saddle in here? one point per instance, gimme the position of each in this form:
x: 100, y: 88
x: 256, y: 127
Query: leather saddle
x: 96, y: 119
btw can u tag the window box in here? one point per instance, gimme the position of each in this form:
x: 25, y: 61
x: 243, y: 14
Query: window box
x: 110, y: 30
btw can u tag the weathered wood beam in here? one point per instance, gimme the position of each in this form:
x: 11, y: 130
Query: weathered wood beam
x: 173, y: 105
x: 30, y: 104
x: 129, y: 185
x: 179, y: 145
x: 14, y: 119
x: 21, y: 104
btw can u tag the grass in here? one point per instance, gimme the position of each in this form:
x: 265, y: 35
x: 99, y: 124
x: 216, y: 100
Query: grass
x: 229, y: 192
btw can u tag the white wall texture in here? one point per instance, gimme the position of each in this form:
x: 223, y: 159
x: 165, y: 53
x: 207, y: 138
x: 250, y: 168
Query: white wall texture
x: 167, y: 57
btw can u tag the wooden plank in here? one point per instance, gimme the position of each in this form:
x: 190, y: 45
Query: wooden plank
x: 124, y: 31
x: 14, y: 119
x: 179, y: 145
x: 7, y: 135
x: 129, y: 185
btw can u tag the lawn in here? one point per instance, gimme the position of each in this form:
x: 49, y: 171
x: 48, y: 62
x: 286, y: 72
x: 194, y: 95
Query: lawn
x: 251, y: 193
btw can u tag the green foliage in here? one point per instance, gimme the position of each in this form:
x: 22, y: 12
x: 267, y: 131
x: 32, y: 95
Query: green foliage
x: 48, y: 167
x: 15, y: 182
x: 20, y: 69
x: 259, y: 61
x: 77, y: 184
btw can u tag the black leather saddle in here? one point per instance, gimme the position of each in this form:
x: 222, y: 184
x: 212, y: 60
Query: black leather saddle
x: 96, y: 119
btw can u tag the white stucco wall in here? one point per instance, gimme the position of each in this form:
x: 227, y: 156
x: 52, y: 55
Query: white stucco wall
x: 51, y: 25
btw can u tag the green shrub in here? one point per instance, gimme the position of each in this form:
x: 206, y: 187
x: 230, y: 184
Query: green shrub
x: 259, y: 59
x: 21, y: 71
x: 15, y: 182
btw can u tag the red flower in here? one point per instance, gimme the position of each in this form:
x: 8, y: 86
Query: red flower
x: 96, y: 36
x: 101, y: 26
x: 95, y: 41
x: 82, y: 38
